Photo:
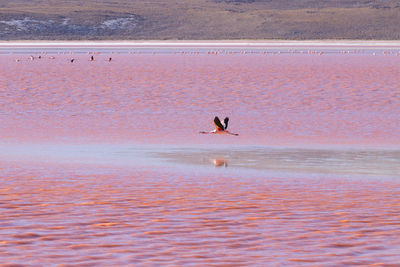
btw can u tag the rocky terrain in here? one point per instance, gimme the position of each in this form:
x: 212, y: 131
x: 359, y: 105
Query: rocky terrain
x: 201, y: 19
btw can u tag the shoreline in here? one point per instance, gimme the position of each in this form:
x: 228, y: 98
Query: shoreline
x: 204, y: 43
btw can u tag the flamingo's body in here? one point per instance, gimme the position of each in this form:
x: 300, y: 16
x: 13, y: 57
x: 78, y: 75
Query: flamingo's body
x: 219, y: 128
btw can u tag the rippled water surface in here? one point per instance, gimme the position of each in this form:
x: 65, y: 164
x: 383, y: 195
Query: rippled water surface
x: 96, y: 215
x: 101, y: 162
x: 168, y: 98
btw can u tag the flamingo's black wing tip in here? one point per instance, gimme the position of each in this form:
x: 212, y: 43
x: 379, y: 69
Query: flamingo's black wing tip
x: 226, y: 120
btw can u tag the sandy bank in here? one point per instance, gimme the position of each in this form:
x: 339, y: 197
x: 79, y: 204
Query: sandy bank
x: 205, y: 43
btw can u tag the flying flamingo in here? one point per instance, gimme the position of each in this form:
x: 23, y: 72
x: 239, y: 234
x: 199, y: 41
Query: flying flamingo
x: 219, y: 128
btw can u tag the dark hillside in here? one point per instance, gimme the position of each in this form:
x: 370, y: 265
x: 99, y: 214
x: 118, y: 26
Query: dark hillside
x: 199, y: 19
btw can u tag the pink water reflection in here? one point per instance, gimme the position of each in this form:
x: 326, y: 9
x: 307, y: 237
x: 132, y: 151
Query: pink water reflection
x: 104, y: 216
x: 96, y: 205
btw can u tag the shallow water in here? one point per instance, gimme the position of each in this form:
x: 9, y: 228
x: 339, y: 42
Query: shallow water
x: 271, y: 99
x: 101, y: 162
x: 115, y: 216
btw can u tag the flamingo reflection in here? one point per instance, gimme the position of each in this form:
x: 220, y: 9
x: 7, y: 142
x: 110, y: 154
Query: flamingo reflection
x: 220, y: 162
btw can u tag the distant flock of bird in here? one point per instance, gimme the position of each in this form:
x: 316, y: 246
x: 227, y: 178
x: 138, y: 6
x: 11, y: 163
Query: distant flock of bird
x: 290, y: 51
x: 53, y: 57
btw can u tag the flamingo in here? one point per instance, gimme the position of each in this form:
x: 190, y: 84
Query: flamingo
x: 219, y: 128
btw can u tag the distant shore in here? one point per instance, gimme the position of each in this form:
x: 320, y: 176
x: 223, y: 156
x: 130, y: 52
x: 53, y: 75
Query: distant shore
x: 205, y: 43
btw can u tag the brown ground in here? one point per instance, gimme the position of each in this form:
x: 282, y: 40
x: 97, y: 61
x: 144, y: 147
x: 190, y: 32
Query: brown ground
x: 201, y: 19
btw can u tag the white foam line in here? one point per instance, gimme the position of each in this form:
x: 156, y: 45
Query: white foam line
x: 350, y: 43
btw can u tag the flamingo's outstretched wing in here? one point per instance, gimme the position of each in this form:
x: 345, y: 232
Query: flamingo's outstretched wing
x: 226, y: 120
x: 218, y: 124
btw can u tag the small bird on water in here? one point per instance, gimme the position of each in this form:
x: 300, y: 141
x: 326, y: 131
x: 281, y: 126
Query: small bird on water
x: 219, y: 128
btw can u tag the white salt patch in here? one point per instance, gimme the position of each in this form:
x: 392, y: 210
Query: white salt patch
x: 120, y: 23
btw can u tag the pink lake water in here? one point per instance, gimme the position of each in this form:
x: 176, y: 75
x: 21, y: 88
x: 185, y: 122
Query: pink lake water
x: 168, y: 98
x: 101, y: 162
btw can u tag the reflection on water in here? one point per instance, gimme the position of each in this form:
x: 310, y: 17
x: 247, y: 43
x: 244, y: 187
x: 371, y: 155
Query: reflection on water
x: 220, y: 162
x: 54, y: 214
x: 372, y: 162
x: 271, y: 160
